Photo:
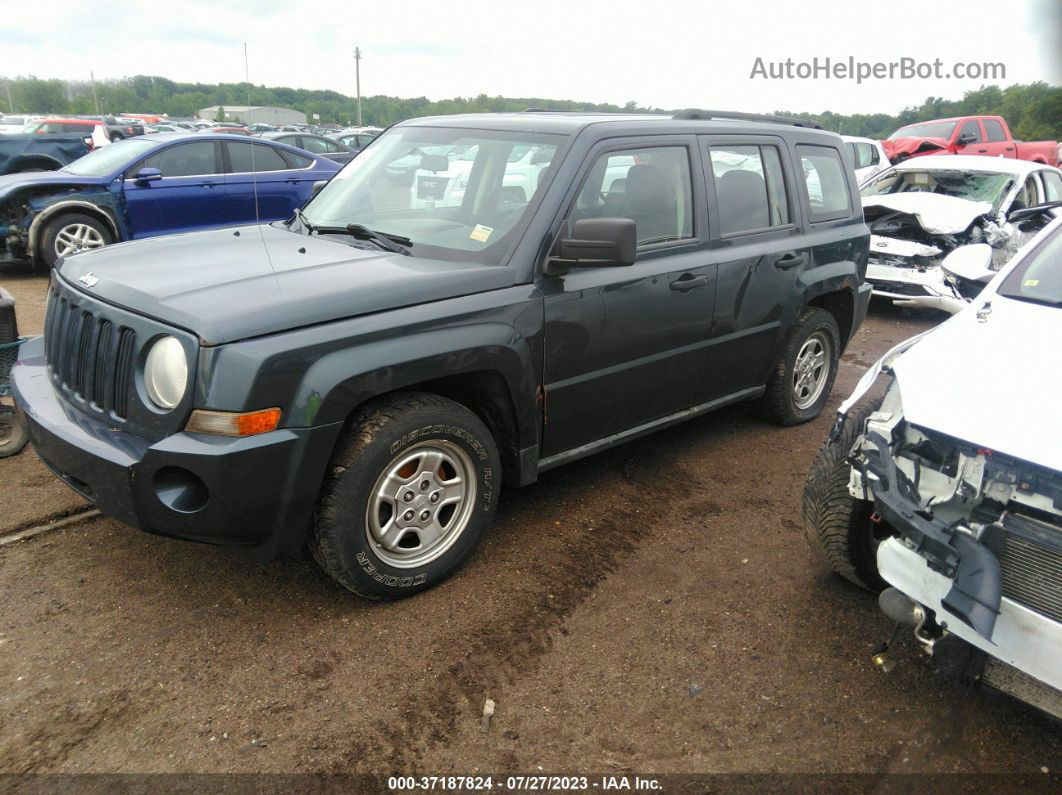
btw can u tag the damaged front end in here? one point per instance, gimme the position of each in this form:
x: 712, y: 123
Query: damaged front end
x: 974, y: 551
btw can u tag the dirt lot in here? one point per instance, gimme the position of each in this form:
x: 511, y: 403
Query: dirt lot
x: 651, y: 609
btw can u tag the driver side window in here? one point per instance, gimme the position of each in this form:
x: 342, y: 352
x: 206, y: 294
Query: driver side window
x: 651, y: 186
x: 971, y: 131
x: 184, y: 160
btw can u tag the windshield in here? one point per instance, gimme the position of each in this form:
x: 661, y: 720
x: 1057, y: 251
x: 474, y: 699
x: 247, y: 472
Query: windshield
x: 933, y: 129
x: 456, y: 193
x: 978, y: 186
x: 1039, y: 277
x: 107, y: 159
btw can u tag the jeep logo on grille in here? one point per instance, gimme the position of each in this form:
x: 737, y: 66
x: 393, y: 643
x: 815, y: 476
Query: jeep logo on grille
x: 89, y: 280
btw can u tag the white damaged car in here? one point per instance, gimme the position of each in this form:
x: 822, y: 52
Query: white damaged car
x: 924, y: 208
x: 945, y: 494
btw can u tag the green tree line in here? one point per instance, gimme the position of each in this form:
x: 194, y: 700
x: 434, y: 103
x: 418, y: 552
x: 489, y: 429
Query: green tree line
x: 1034, y: 110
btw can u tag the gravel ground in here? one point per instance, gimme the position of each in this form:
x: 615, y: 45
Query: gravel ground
x: 651, y: 609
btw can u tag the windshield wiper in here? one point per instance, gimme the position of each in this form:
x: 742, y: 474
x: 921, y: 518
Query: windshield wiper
x: 394, y: 243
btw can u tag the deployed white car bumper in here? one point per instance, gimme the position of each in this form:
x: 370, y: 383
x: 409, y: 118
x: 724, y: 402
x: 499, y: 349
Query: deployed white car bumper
x: 1027, y: 645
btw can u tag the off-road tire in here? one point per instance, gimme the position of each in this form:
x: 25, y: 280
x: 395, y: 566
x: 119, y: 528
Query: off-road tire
x: 836, y: 524
x: 13, y: 432
x: 46, y: 254
x: 777, y: 403
x: 374, y: 437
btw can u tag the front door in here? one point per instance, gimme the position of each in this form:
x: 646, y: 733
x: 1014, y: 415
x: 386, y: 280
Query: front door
x: 626, y: 345
x: 190, y: 195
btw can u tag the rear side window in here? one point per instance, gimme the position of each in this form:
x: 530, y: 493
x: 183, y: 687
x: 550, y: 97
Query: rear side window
x: 248, y: 158
x: 1053, y: 185
x: 863, y: 154
x: 825, y: 182
x: 295, y: 160
x: 650, y: 186
x: 74, y: 127
x: 994, y: 130
x: 750, y: 188
x: 185, y: 160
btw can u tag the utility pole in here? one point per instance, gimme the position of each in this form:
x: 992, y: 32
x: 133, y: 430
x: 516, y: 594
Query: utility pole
x: 10, y: 103
x: 357, y: 81
x: 95, y: 99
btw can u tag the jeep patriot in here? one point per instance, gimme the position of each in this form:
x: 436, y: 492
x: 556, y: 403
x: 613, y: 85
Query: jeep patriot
x: 365, y: 376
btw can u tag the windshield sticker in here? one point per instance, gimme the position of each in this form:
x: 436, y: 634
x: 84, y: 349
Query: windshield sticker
x: 921, y: 178
x: 481, y: 233
x: 1031, y: 283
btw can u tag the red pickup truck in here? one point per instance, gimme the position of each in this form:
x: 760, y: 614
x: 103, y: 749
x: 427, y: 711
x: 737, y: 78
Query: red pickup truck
x: 966, y: 135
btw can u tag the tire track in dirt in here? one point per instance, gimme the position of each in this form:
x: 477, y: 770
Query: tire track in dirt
x: 508, y: 646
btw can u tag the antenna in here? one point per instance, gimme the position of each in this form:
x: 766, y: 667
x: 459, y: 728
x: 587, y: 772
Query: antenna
x: 254, y: 174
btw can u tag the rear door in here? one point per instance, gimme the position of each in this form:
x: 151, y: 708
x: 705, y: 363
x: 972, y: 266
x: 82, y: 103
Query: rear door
x: 626, y: 345
x: 762, y: 253
x: 995, y: 143
x: 190, y: 195
x: 265, y: 183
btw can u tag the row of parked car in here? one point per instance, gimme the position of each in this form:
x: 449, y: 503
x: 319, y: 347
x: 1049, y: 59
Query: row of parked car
x: 364, y: 373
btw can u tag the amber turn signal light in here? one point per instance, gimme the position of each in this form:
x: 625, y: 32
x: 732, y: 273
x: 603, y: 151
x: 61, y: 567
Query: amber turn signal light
x: 230, y: 423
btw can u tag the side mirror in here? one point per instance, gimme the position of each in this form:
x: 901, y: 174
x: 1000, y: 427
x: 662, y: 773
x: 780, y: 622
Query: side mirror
x: 317, y: 187
x: 434, y: 163
x: 970, y: 263
x: 596, y: 243
x: 962, y: 140
x: 146, y: 175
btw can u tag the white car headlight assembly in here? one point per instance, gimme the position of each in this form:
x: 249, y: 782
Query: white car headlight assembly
x: 166, y: 373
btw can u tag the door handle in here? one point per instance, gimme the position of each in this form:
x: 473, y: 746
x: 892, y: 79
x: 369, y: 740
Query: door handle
x: 790, y: 260
x: 687, y: 282
x: 982, y: 151
x: 1010, y: 148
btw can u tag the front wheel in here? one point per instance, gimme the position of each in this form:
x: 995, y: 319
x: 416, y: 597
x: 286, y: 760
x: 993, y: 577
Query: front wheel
x: 70, y: 233
x: 13, y: 432
x: 837, y: 525
x: 802, y: 378
x: 410, y: 489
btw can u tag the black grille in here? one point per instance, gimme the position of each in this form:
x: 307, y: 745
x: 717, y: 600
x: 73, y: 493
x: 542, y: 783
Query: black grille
x: 88, y: 356
x: 1032, y: 565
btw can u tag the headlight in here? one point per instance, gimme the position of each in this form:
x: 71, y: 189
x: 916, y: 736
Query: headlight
x: 166, y: 373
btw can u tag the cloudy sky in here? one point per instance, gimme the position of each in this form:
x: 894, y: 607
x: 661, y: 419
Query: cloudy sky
x: 666, y: 53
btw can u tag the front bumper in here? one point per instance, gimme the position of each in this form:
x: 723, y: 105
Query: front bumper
x: 927, y: 289
x: 1022, y: 638
x: 256, y: 492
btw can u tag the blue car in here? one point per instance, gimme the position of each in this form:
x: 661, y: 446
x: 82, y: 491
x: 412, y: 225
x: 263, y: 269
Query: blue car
x: 145, y: 187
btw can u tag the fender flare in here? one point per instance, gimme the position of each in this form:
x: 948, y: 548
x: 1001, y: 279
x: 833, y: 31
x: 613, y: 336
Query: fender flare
x: 83, y: 206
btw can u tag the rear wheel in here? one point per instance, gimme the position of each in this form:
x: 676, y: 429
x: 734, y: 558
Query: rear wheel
x: 71, y: 233
x: 411, y: 488
x: 837, y: 525
x: 803, y: 376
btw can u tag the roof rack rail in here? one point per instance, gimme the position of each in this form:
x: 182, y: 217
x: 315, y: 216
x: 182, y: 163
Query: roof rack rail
x: 704, y: 115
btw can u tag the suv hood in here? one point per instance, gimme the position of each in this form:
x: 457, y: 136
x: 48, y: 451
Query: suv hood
x: 936, y: 213
x: 994, y: 384
x: 230, y: 284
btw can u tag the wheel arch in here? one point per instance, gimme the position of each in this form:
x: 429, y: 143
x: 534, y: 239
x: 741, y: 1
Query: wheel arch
x: 69, y: 205
x: 35, y: 161
x: 492, y: 374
